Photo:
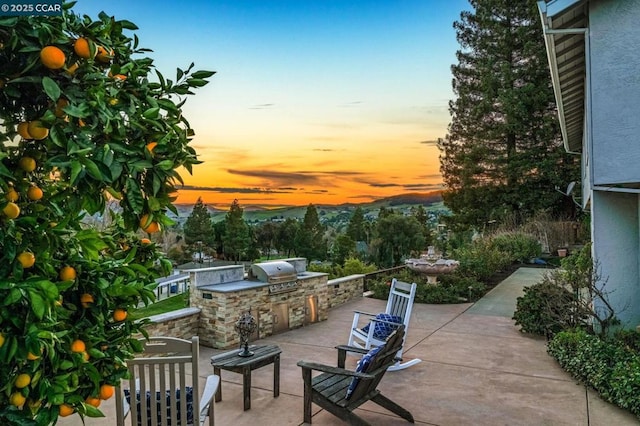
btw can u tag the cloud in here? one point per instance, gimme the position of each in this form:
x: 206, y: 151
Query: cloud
x: 430, y: 143
x: 261, y: 106
x: 422, y: 186
x: 324, y: 150
x: 278, y: 178
x: 238, y: 190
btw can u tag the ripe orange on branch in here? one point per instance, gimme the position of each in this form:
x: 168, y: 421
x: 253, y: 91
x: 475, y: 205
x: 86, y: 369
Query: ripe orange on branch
x: 12, y: 195
x: 82, y: 48
x: 34, y: 193
x: 86, y: 300
x: 67, y: 273
x: 23, y: 130
x: 78, y: 346
x: 37, y: 130
x: 65, y: 410
x: 119, y: 315
x: 17, y: 399
x: 149, y: 225
x: 106, y: 391
x: 11, y: 210
x: 26, y: 259
x: 27, y: 164
x: 22, y: 381
x: 52, y: 57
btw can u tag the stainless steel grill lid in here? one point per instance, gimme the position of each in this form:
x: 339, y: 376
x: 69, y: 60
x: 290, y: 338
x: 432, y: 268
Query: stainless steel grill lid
x: 275, y: 272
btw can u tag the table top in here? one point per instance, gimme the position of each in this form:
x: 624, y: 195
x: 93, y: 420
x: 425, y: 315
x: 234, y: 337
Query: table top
x: 231, y: 359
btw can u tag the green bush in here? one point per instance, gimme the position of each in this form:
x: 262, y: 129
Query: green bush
x: 452, y: 289
x: 480, y: 259
x: 543, y: 309
x: 607, y: 365
x: 518, y: 246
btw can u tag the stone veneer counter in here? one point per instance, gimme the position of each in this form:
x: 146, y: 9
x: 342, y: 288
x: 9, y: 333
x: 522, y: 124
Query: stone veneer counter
x: 248, y: 285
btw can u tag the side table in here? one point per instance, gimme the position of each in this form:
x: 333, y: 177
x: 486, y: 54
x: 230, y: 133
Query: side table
x: 262, y: 355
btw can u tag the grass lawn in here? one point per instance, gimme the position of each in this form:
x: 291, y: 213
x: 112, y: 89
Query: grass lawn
x: 166, y: 305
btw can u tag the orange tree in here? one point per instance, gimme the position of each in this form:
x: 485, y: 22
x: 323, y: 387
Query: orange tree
x: 87, y: 127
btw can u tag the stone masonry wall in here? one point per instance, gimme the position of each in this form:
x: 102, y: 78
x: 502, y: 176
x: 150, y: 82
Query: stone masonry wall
x: 344, y: 289
x: 182, y: 323
x: 220, y: 311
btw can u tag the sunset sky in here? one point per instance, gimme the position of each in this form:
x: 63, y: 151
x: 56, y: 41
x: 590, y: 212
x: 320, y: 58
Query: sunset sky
x: 314, y: 101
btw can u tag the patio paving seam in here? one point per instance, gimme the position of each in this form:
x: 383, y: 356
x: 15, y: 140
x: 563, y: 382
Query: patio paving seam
x: 534, y: 376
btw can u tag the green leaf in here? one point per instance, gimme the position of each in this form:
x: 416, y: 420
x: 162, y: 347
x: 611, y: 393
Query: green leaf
x: 92, y: 169
x: 51, y: 88
x: 38, y: 305
x: 134, y: 195
x: 76, y: 168
x: 151, y: 113
x: 202, y: 74
x: 196, y: 82
x: 128, y: 25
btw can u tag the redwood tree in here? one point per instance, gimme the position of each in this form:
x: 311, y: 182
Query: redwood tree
x: 503, y: 154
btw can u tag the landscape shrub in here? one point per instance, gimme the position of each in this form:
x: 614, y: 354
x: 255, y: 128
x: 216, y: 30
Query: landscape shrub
x: 607, y: 365
x: 352, y: 266
x: 543, y: 309
x: 519, y: 246
x: 480, y: 259
x: 452, y: 289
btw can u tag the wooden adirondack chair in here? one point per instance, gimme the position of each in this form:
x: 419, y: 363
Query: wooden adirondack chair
x: 399, y: 304
x: 163, y: 371
x: 329, y: 389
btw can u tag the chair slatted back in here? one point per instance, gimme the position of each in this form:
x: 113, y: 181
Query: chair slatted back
x: 383, y: 360
x: 166, y: 364
x: 400, y: 301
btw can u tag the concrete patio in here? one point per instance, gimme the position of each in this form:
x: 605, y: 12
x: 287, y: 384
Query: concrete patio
x: 476, y: 369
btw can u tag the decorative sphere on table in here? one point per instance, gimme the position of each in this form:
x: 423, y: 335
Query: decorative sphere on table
x: 245, y: 326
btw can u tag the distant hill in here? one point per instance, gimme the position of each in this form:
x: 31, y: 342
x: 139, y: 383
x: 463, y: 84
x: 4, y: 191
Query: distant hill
x: 430, y: 200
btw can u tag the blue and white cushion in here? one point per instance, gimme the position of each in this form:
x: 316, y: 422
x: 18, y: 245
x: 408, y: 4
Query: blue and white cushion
x: 362, y: 367
x: 168, y: 396
x: 382, y: 330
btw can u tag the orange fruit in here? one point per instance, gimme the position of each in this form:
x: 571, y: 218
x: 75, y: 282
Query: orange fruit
x: 37, y: 130
x: 86, y: 300
x: 27, y: 164
x: 81, y: 122
x: 151, y: 145
x: 145, y: 241
x: 78, y: 346
x: 148, y: 225
x: 1, y: 339
x: 65, y: 410
x: 12, y: 195
x: 85, y: 356
x: 106, y: 391
x: 22, y: 381
x: 82, y: 48
x: 52, y: 57
x: 120, y: 77
x: 32, y: 357
x: 34, y: 193
x: 17, y: 399
x: 23, y: 130
x: 92, y: 400
x: 11, y: 210
x: 67, y: 273
x: 62, y: 102
x: 71, y: 69
x: 119, y: 315
x: 26, y: 259
x: 103, y: 55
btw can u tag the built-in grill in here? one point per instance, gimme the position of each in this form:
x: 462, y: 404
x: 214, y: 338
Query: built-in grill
x: 276, y: 272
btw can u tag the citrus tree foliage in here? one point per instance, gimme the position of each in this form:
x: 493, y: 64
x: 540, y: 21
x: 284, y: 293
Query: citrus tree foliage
x: 503, y: 155
x: 84, y: 120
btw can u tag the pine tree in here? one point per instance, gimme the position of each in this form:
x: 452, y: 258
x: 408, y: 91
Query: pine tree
x: 356, y: 228
x: 503, y: 154
x: 198, y: 226
x: 236, y: 237
x: 310, y: 242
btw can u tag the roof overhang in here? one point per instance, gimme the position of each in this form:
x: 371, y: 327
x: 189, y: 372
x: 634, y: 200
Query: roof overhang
x: 565, y: 23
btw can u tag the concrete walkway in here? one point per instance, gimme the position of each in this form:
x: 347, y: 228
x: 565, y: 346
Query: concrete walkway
x: 476, y: 369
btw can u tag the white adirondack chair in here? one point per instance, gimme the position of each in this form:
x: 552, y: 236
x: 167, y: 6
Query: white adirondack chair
x: 168, y: 364
x: 400, y: 303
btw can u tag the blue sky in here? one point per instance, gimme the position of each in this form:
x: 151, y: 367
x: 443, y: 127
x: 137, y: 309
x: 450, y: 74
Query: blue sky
x: 321, y: 101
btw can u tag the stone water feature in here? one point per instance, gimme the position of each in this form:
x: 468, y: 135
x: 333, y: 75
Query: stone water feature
x: 432, y: 265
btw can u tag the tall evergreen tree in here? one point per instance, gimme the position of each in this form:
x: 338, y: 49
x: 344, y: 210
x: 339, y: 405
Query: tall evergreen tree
x: 198, y: 226
x: 310, y: 242
x: 286, y: 236
x: 503, y: 154
x: 236, y: 238
x: 356, y: 228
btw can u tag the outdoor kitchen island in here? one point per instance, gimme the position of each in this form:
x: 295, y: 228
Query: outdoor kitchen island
x: 281, y: 295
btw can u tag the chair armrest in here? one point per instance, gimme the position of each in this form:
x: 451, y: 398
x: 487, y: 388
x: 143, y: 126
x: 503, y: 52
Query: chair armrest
x: 347, y: 348
x: 333, y: 370
x: 210, y: 388
x: 364, y: 313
